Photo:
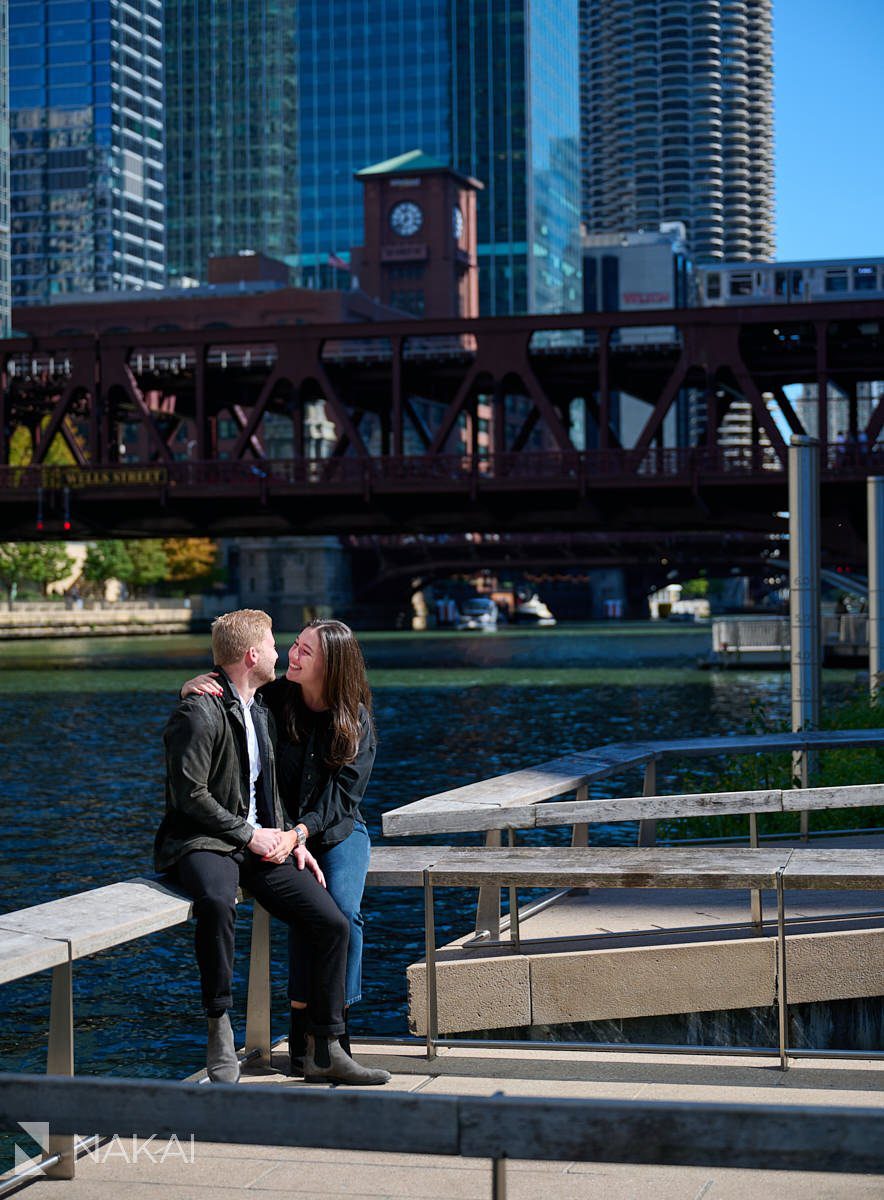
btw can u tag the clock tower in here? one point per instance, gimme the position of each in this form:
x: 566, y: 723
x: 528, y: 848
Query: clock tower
x: 420, y: 237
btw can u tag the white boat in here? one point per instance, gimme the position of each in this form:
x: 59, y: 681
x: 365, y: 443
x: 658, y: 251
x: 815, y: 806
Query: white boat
x: 478, y: 613
x: 533, y: 612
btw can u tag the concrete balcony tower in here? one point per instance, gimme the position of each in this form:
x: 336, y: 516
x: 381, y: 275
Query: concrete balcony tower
x: 677, y: 121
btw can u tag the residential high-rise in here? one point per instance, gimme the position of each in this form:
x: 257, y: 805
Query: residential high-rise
x: 231, y: 137
x: 86, y: 126
x: 488, y: 86
x: 677, y: 121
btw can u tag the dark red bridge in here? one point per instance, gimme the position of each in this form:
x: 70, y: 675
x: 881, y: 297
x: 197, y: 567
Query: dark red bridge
x: 184, y: 416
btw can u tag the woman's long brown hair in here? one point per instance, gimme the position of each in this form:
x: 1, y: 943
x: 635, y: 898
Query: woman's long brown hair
x: 345, y: 688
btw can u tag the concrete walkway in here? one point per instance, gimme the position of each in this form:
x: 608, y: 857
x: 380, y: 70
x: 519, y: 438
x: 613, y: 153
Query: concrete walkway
x: 231, y: 1172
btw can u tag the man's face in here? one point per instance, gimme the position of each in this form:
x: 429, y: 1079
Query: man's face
x: 264, y: 669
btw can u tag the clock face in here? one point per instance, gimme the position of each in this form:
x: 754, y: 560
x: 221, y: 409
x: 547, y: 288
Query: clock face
x: 457, y: 223
x: 406, y: 218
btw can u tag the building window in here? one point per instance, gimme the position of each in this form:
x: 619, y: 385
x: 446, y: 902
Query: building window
x: 411, y: 301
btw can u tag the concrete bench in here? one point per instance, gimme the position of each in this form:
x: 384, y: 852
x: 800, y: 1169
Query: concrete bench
x: 777, y: 869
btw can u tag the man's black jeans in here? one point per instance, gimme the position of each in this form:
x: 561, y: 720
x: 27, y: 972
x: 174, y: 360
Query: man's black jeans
x: 294, y: 896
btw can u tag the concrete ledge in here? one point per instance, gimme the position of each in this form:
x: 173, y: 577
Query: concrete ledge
x: 548, y: 988
x: 487, y: 993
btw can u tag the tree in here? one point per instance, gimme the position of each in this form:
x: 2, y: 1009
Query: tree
x: 190, y: 559
x: 148, y: 563
x: 106, y: 560
x: 695, y: 589
x: 58, y: 455
x: 35, y: 562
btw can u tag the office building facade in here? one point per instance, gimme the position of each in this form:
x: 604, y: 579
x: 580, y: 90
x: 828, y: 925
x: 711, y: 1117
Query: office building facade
x: 87, y: 162
x: 491, y: 88
x: 5, y: 266
x: 677, y: 121
x: 231, y: 137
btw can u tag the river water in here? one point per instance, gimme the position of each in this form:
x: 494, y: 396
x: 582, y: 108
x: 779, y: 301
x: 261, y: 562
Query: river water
x: 82, y: 787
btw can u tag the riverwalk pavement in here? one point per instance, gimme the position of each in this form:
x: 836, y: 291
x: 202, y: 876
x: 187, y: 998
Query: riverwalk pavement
x: 232, y: 1172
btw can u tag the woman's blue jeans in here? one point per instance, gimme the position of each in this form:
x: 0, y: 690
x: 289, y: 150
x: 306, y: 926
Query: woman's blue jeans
x: 345, y: 867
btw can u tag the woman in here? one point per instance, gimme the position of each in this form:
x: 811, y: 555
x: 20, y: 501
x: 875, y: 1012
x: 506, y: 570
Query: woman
x: 325, y: 752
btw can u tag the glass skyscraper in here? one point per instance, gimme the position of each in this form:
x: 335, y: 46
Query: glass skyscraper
x: 231, y: 81
x: 373, y: 83
x: 4, y: 169
x: 87, y: 163
x: 490, y: 86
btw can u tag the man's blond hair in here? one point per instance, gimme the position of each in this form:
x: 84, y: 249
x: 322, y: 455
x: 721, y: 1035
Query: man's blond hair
x: 234, y: 633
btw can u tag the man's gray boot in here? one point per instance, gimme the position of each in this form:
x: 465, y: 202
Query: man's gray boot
x: 221, y: 1061
x: 327, y: 1062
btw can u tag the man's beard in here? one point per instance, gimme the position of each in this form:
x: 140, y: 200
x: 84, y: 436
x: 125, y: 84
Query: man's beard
x: 263, y: 673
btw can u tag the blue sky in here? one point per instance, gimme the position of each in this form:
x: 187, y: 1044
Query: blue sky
x: 829, y: 87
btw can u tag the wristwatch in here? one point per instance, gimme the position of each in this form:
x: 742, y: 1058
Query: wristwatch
x: 301, y: 835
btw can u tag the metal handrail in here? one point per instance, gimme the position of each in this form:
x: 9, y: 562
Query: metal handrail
x: 601, y: 762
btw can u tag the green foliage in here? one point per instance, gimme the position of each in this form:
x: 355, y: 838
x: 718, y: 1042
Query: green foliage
x: 148, y: 563
x: 759, y: 772
x: 138, y: 564
x: 106, y: 560
x: 41, y: 563
x: 695, y: 589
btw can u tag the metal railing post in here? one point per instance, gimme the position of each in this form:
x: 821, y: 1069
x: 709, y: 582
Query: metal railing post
x: 60, y: 1061
x: 430, y: 961
x: 875, y: 504
x: 498, y: 1179
x: 647, y: 830
x: 782, y: 995
x: 755, y: 893
x: 580, y: 831
x: 804, y: 598
x: 514, y: 906
x: 258, y: 1002
x: 488, y: 904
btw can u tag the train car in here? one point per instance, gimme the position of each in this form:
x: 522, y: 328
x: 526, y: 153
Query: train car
x: 740, y: 283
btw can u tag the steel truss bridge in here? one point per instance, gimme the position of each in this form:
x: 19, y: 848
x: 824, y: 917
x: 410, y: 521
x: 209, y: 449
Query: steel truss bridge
x: 405, y: 399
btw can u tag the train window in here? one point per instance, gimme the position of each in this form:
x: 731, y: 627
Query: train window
x: 741, y: 284
x: 713, y: 286
x: 780, y: 288
x: 863, y: 279
x: 836, y: 281
x: 797, y: 282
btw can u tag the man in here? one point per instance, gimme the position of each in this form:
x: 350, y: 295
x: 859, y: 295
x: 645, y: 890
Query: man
x: 224, y: 826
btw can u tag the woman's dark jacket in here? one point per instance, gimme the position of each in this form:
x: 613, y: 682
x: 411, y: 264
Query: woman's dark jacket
x: 207, y: 776
x: 326, y: 801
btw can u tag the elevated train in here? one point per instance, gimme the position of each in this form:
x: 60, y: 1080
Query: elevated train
x: 741, y: 283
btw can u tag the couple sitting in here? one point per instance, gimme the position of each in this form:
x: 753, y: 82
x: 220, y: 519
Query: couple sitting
x: 256, y: 766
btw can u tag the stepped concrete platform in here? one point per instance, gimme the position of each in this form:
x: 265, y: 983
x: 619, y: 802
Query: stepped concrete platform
x: 232, y: 1172
x: 606, y: 953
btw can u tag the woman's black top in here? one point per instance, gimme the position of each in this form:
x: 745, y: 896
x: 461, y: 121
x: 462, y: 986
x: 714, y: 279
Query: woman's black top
x: 326, y: 801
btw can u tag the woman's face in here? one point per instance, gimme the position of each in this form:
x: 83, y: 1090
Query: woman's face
x: 307, y: 661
